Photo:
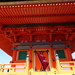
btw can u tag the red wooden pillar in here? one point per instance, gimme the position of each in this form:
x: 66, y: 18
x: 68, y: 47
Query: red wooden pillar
x: 68, y: 53
x: 14, y: 55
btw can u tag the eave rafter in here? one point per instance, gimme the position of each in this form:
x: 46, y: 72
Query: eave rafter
x: 37, y: 13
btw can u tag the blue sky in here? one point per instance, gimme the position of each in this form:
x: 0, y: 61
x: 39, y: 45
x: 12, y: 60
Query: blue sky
x: 5, y: 58
x: 73, y: 55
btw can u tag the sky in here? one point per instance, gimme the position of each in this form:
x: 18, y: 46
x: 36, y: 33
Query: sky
x: 73, y: 55
x: 5, y: 58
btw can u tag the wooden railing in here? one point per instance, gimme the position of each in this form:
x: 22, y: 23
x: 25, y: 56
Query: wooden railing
x: 2, y: 66
x: 71, y: 65
x: 13, y: 67
x: 60, y: 66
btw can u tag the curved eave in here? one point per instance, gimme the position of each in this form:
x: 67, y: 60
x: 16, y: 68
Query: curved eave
x: 37, y: 13
x: 5, y: 45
